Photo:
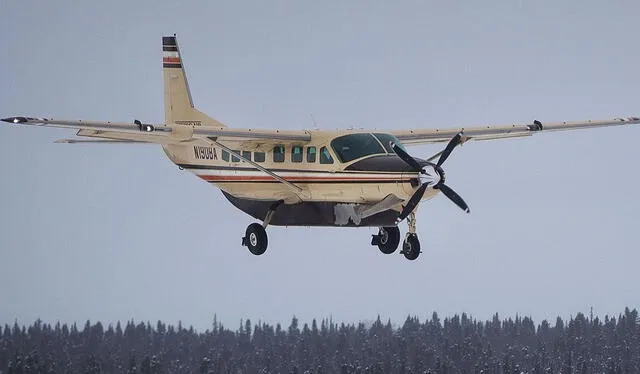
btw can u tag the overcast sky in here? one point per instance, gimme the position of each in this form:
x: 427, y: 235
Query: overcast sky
x: 114, y: 232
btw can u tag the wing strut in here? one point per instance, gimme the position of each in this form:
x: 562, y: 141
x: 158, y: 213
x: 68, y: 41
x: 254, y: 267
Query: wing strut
x: 293, y: 187
x: 387, y: 203
x: 99, y: 141
x: 463, y: 139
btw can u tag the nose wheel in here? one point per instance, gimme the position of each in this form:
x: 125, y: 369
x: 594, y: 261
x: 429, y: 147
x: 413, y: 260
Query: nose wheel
x: 411, y: 244
x: 411, y: 247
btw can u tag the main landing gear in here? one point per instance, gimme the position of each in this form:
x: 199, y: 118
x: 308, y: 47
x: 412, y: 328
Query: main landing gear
x: 388, y: 239
x: 255, y: 237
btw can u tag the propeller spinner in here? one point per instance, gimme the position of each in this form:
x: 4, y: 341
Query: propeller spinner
x: 431, y: 175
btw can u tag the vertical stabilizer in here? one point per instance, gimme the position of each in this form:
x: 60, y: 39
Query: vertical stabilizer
x: 178, y: 105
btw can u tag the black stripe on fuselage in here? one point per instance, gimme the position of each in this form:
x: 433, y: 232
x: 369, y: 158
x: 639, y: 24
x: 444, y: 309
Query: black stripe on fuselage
x: 170, y: 48
x: 304, y: 181
x: 168, y: 65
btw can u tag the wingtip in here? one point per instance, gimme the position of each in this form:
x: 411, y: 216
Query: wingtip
x: 14, y: 119
x: 22, y: 119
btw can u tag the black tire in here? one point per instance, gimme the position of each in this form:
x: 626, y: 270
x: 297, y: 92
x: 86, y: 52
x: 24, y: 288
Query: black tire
x: 256, y: 239
x: 411, y: 247
x: 388, y: 239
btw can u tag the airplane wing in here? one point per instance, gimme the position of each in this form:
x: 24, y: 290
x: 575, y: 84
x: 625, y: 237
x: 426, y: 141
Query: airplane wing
x: 253, y: 138
x: 424, y: 136
x: 161, y: 133
x: 138, y: 132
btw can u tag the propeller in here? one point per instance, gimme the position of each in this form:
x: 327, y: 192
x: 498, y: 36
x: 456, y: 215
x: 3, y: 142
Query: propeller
x: 431, y: 175
x: 454, y: 142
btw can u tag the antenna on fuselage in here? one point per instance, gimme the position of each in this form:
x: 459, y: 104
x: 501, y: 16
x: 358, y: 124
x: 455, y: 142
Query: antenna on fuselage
x: 315, y: 125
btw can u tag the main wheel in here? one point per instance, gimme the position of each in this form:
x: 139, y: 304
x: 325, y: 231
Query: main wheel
x: 388, y: 239
x: 256, y: 239
x: 411, y: 247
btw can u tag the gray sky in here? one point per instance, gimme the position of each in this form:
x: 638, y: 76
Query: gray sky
x: 117, y: 232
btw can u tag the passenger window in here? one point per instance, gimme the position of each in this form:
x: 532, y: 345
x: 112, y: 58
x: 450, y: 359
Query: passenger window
x: 296, y: 153
x: 278, y: 153
x: 225, y: 155
x: 325, y: 156
x: 234, y: 158
x: 247, y: 155
x: 311, y: 154
x: 258, y: 156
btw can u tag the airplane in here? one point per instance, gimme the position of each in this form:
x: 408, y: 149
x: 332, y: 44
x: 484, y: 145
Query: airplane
x: 345, y: 178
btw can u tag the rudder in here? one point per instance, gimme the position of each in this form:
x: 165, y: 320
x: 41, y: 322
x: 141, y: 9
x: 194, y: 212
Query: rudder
x: 178, y: 104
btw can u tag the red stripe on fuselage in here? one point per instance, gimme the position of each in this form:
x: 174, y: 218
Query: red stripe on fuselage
x: 311, y: 179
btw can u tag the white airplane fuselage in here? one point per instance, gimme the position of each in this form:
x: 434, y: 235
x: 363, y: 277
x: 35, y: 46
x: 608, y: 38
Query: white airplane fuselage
x: 331, y: 192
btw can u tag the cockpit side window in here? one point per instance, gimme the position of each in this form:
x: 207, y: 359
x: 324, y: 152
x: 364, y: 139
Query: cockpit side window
x: 353, y: 146
x: 325, y: 156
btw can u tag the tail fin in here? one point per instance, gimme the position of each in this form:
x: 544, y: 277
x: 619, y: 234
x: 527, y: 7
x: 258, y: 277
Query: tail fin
x: 178, y: 106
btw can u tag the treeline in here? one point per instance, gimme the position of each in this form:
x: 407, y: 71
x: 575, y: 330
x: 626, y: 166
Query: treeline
x: 458, y: 344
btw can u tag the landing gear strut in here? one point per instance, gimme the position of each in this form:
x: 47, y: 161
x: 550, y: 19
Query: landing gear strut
x: 411, y: 244
x: 387, y: 240
x: 255, y: 237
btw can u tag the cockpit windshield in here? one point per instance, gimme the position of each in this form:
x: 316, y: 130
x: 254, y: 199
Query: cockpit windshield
x: 354, y: 146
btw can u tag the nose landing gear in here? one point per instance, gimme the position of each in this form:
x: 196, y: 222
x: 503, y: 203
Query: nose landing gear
x: 411, y: 244
x: 411, y: 247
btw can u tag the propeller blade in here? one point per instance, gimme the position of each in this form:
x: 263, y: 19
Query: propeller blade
x: 406, y: 157
x: 413, y: 202
x: 454, y: 142
x: 453, y: 196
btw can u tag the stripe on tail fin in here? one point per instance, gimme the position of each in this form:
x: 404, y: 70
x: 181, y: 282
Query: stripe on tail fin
x: 170, y: 55
x: 178, y: 105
